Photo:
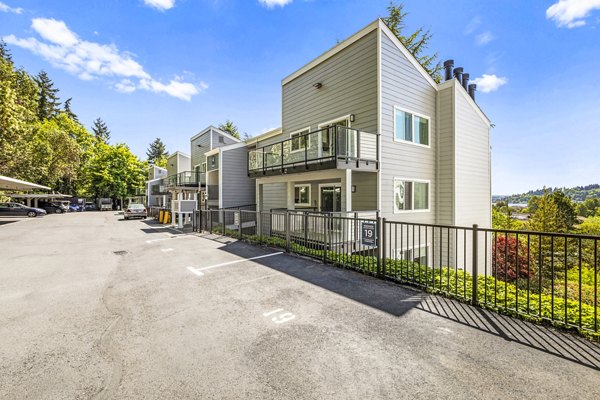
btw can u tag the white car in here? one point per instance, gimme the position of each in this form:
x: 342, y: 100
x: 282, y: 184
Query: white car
x: 135, y: 211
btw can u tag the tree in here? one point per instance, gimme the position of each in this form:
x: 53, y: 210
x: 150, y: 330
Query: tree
x: 416, y: 43
x: 101, y: 131
x: 48, y: 104
x: 567, y: 216
x: 589, y: 207
x: 5, y: 53
x: 157, y: 153
x: 67, y: 110
x: 230, y: 128
x: 509, y: 259
x: 545, y: 216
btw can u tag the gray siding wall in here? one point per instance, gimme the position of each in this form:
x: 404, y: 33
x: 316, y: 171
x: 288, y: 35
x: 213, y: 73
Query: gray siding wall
x: 172, y: 169
x: 217, y: 143
x: 198, y: 153
x: 237, y: 188
x: 445, y: 142
x: 314, y: 191
x: 403, y: 86
x: 365, y: 197
x: 349, y: 81
x: 472, y: 174
x: 274, y: 195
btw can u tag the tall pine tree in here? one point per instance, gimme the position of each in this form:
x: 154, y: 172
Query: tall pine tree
x: 68, y: 111
x: 48, y: 104
x: 416, y: 43
x: 101, y: 130
x: 230, y: 128
x: 157, y: 153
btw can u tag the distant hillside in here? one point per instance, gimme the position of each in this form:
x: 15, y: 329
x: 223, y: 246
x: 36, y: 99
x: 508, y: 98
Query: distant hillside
x: 577, y: 193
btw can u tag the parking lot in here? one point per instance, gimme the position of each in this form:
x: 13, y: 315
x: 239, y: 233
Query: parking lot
x: 92, y: 306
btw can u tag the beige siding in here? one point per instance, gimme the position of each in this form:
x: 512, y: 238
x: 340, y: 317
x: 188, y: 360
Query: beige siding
x: 445, y: 142
x: 274, y: 195
x: 365, y: 197
x: 199, y: 146
x: 472, y: 174
x: 349, y: 81
x: 402, y: 85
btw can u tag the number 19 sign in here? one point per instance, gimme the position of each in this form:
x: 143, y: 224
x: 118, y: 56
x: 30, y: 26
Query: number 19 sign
x: 368, y: 234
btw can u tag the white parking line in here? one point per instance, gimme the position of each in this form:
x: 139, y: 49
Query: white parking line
x: 163, y: 239
x: 198, y: 271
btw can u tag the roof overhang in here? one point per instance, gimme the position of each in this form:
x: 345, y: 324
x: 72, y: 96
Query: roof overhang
x: 38, y: 196
x: 7, y: 183
x: 263, y: 136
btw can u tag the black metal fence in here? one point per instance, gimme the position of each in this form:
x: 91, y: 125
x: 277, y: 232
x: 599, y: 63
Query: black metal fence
x: 539, y: 276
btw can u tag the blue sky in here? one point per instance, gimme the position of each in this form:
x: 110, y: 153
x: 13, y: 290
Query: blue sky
x: 168, y: 68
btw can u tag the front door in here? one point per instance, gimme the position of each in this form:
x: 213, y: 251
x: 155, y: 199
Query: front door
x: 331, y: 198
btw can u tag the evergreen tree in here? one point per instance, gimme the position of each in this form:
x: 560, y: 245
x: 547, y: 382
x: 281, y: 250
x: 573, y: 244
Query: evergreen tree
x: 157, y: 153
x: 101, y: 130
x: 230, y: 128
x: 416, y: 43
x: 5, y: 52
x: 68, y: 111
x: 48, y: 104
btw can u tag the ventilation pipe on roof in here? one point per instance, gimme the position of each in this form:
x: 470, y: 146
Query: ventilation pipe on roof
x: 472, y: 89
x: 465, y: 81
x: 458, y: 72
x: 448, y: 65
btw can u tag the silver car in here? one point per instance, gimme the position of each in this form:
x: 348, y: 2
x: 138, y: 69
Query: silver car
x: 135, y: 211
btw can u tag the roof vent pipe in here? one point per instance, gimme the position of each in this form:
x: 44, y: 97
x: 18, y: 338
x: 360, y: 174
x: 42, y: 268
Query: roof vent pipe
x: 472, y: 89
x: 448, y: 65
x: 465, y: 81
x: 458, y: 74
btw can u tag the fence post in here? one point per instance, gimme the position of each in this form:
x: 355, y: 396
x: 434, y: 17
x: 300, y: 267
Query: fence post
x: 287, y: 231
x: 222, y: 222
x: 259, y: 226
x: 378, y: 245
x: 383, y: 249
x: 325, y: 236
x: 240, y: 224
x: 210, y: 222
x: 475, y: 271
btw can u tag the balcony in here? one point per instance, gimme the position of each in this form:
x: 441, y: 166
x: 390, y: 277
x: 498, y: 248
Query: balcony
x: 329, y: 148
x: 187, y: 179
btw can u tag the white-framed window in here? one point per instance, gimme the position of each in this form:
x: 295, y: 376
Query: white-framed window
x: 300, y: 140
x: 411, y: 195
x: 302, y: 195
x: 411, y: 127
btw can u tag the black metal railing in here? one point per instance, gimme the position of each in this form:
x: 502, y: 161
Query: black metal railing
x: 539, y: 276
x: 186, y: 179
x: 321, y: 149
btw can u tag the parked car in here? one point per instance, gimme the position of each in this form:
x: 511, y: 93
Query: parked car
x: 135, y: 211
x: 74, y: 208
x: 53, y: 208
x: 19, y: 210
x: 89, y: 206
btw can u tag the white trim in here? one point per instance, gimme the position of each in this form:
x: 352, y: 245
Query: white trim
x: 331, y: 52
x: 414, y: 114
x: 333, y: 121
x: 309, y: 186
x: 379, y: 119
x: 400, y: 178
x: 332, y: 184
x: 232, y: 146
x: 212, y: 128
x: 306, y: 141
x: 213, y: 151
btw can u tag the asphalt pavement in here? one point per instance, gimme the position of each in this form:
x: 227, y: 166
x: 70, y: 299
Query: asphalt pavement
x: 95, y: 307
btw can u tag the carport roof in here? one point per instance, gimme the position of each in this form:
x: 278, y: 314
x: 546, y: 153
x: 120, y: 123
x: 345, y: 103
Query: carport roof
x: 7, y: 183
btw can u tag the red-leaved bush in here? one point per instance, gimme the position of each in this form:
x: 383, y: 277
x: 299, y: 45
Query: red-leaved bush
x: 504, y: 259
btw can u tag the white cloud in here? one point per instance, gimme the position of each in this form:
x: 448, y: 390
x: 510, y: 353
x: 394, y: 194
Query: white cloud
x: 6, y: 8
x: 160, y: 4
x: 571, y: 13
x: 472, y: 25
x: 484, y: 38
x: 489, y: 83
x: 274, y: 3
x: 91, y: 60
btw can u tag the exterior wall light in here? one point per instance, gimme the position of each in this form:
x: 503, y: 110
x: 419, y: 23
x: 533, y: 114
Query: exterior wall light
x: 352, y: 117
x: 318, y: 85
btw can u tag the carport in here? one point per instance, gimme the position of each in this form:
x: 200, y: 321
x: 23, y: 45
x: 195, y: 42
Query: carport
x: 33, y: 199
x: 13, y: 184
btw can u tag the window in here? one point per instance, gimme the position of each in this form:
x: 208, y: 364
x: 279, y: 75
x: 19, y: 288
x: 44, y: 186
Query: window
x: 411, y: 195
x: 411, y: 128
x: 302, y: 195
x: 299, y: 140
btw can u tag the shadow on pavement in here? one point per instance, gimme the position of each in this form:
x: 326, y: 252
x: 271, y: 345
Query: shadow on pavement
x: 8, y: 222
x: 397, y: 299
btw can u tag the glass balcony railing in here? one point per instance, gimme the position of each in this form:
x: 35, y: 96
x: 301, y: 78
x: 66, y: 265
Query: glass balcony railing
x: 185, y: 179
x: 334, y: 143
